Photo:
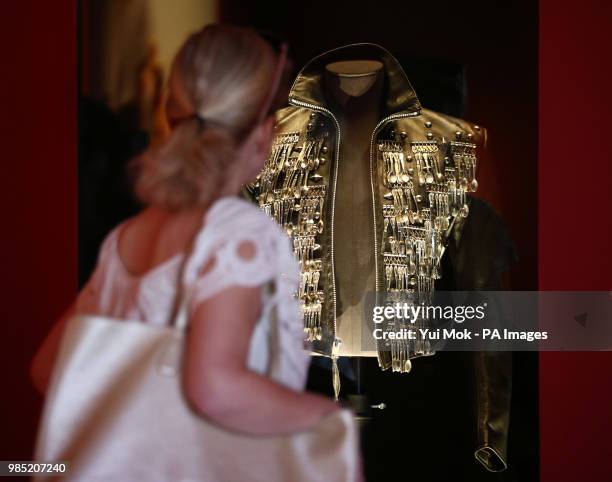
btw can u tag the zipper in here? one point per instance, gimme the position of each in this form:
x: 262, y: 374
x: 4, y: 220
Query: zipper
x: 372, y: 139
x: 301, y: 103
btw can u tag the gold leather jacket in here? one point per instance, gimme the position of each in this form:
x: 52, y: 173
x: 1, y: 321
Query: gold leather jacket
x: 422, y: 165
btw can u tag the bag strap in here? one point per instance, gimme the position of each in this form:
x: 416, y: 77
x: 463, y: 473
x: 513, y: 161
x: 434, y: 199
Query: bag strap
x: 181, y: 317
x: 178, y: 316
x: 178, y: 313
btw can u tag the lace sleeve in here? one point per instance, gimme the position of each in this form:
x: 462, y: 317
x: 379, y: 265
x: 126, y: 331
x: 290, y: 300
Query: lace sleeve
x: 242, y: 246
x: 251, y: 258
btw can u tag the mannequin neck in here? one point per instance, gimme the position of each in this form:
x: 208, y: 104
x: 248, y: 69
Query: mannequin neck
x: 355, y: 86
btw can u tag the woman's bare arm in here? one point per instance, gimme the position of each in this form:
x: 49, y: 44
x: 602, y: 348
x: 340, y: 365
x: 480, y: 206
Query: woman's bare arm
x: 219, y: 384
x: 44, y: 360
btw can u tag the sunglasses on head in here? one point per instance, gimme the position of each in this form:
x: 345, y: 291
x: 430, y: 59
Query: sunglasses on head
x: 279, y: 89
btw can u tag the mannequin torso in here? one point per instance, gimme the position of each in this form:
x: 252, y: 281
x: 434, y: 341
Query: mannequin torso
x: 354, y: 92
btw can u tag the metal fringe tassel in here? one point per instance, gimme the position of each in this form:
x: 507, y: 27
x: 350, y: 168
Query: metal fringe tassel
x: 335, y: 378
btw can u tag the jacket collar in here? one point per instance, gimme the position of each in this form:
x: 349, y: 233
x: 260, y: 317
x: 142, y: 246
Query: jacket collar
x: 399, y: 94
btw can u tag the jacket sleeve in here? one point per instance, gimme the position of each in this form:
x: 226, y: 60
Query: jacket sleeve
x: 481, y: 252
x: 493, y: 382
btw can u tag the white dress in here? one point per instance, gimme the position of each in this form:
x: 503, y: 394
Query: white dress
x: 277, y: 346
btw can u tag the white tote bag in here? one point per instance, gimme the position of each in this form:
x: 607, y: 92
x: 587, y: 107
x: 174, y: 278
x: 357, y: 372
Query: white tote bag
x: 115, y: 411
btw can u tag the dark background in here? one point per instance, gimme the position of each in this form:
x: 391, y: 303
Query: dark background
x: 39, y: 196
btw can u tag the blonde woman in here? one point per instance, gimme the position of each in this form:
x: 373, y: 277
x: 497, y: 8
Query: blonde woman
x: 218, y: 104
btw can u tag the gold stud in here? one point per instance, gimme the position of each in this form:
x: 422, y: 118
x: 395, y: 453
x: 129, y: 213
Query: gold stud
x: 428, y: 124
x: 429, y: 135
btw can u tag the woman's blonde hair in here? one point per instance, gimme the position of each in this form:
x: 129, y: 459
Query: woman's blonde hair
x: 226, y: 72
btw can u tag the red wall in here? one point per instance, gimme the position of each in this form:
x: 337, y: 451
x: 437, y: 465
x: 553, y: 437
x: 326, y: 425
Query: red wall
x: 575, y: 156
x: 38, y: 250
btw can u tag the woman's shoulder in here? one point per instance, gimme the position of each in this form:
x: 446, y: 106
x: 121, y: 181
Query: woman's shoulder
x: 108, y: 247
